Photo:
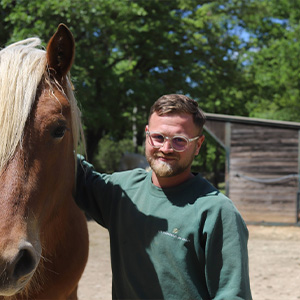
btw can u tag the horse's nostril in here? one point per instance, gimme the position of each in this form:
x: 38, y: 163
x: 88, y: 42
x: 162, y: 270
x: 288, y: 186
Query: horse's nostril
x: 17, y: 271
x: 25, y: 263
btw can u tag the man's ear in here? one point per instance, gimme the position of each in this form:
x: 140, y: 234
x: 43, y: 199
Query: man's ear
x: 199, y: 144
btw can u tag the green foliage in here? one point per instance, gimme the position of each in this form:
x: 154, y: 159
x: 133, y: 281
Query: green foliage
x: 234, y: 57
x: 210, y: 161
x: 272, y: 64
x: 110, y: 152
x: 131, y: 52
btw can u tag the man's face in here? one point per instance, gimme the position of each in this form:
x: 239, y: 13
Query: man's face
x: 165, y: 161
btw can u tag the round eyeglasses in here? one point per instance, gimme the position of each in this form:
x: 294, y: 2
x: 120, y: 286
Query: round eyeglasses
x: 178, y: 143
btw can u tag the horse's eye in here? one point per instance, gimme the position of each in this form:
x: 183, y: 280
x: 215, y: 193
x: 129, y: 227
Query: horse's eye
x: 59, y: 132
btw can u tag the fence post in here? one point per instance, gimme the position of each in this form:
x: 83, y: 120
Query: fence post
x: 227, y: 149
x: 298, y: 193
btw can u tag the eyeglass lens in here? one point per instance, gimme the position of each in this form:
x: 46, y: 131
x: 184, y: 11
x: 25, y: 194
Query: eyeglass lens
x: 178, y: 143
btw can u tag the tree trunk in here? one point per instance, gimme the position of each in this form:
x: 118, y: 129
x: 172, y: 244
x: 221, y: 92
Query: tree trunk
x: 92, y: 141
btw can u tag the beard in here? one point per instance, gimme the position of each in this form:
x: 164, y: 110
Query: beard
x: 166, y: 169
x: 160, y: 168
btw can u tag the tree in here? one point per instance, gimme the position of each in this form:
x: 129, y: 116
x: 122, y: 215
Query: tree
x: 5, y: 28
x: 272, y: 63
x: 235, y: 57
x: 131, y: 52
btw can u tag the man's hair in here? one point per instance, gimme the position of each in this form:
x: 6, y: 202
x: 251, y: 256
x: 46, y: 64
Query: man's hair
x: 176, y: 104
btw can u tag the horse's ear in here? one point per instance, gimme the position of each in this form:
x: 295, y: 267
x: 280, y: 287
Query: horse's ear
x: 60, y: 51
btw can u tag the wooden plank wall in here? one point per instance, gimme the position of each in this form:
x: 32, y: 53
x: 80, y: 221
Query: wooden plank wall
x: 263, y: 152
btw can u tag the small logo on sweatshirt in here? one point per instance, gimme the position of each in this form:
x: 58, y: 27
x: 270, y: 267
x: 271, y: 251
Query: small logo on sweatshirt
x: 174, y: 235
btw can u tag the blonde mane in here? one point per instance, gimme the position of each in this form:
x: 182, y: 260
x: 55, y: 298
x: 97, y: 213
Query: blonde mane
x: 22, y: 67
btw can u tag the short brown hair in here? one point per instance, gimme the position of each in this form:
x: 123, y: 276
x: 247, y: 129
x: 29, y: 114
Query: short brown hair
x: 174, y: 104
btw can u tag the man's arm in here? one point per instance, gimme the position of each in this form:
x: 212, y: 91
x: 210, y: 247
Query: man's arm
x: 90, y: 190
x: 227, y: 269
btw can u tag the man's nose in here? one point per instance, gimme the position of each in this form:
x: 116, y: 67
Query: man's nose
x: 166, y: 147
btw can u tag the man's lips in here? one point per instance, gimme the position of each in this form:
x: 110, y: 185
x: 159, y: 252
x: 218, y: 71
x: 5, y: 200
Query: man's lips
x: 166, y: 158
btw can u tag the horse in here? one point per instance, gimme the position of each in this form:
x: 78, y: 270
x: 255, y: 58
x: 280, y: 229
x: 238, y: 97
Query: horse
x: 43, y: 234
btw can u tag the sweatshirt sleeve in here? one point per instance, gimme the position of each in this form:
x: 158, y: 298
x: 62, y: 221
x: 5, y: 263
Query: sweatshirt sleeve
x: 92, y: 191
x: 227, y: 270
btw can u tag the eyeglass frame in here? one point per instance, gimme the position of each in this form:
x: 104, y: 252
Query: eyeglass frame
x: 148, y: 133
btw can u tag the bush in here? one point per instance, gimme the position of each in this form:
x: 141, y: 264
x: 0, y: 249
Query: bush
x: 109, y: 154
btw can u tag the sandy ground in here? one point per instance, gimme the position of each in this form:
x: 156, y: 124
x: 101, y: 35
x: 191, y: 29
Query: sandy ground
x: 274, y: 258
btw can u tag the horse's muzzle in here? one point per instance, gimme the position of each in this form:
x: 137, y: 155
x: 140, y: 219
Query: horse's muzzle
x: 17, y: 272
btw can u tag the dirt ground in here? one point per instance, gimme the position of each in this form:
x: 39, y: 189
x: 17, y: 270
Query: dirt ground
x: 274, y: 258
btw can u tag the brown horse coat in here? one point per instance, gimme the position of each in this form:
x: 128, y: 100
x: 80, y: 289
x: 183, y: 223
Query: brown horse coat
x: 43, y: 234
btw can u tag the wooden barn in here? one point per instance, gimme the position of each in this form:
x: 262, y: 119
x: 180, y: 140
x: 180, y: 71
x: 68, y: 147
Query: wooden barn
x: 262, y: 166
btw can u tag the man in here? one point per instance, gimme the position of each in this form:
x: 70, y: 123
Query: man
x: 172, y: 234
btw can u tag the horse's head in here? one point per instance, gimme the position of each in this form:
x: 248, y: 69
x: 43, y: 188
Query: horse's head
x: 39, y: 129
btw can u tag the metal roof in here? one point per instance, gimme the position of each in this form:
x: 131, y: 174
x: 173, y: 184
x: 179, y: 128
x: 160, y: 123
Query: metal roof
x: 254, y: 121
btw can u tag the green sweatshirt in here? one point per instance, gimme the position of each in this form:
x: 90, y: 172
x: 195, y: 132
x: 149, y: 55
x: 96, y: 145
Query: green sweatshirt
x: 186, y: 242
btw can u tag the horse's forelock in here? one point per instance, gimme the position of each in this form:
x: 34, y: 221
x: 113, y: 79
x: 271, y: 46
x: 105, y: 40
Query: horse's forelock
x: 22, y: 66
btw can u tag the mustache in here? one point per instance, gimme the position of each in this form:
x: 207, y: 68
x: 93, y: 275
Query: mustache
x: 167, y: 156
